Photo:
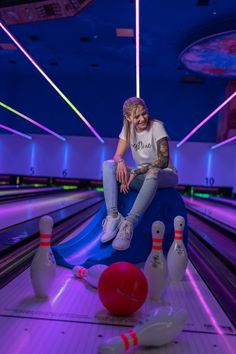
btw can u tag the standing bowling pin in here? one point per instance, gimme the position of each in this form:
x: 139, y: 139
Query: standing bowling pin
x: 91, y: 275
x: 155, y: 267
x: 43, y: 267
x: 177, y: 258
x: 159, y: 329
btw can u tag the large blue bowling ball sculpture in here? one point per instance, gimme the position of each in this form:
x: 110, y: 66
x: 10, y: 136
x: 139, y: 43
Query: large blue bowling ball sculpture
x: 87, y: 250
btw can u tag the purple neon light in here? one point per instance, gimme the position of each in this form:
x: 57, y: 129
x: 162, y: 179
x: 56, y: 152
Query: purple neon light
x: 32, y: 121
x: 15, y: 131
x: 50, y: 81
x: 137, y: 48
x: 206, y: 119
x: 224, y: 142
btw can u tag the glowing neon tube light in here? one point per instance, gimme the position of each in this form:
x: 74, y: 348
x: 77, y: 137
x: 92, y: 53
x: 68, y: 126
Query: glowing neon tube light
x: 137, y: 48
x: 15, y: 131
x: 33, y: 121
x: 224, y: 142
x: 5, y: 29
x: 206, y: 119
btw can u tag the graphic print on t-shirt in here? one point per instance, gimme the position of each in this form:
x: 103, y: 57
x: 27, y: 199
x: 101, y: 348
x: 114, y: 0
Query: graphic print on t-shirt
x: 140, y: 146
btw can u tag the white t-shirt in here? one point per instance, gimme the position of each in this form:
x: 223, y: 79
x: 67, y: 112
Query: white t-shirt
x: 144, y: 144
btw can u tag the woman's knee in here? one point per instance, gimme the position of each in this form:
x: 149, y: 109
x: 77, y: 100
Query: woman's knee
x: 109, y: 165
x: 152, y: 173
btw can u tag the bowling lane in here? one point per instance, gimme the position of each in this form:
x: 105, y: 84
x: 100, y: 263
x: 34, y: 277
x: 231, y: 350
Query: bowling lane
x: 20, y: 211
x: 219, y: 213
x: 68, y: 323
x: 226, y: 201
x: 19, y: 191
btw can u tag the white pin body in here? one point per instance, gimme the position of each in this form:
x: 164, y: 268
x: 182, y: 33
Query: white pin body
x: 92, y: 274
x: 177, y: 258
x: 156, y: 273
x: 43, y: 267
x: 155, y: 267
x: 43, y: 271
x: 159, y: 329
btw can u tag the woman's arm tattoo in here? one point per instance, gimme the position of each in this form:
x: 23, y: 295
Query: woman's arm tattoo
x: 162, y: 162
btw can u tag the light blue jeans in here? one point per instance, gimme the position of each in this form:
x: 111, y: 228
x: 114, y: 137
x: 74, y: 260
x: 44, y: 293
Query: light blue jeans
x: 146, y: 184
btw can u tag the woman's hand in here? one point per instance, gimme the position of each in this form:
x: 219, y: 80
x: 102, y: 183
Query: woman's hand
x: 121, y: 173
x: 131, y: 177
x: 124, y: 187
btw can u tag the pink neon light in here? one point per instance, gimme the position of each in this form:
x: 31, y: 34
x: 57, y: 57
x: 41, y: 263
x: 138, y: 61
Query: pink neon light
x: 32, y: 121
x: 206, y: 119
x: 50, y: 81
x: 137, y: 48
x: 15, y: 131
x: 224, y: 142
x: 204, y: 304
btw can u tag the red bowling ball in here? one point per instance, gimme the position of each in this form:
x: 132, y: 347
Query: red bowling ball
x: 122, y: 288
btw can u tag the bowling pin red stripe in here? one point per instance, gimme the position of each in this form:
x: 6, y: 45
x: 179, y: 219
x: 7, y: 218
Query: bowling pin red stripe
x: 158, y: 240
x: 81, y: 272
x: 178, y: 232
x: 178, y: 238
x: 45, y: 244
x: 45, y: 235
x: 125, y: 340
x: 134, y: 337
x: 156, y: 248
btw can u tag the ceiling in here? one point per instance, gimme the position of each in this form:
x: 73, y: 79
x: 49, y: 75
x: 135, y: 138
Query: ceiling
x: 85, y: 58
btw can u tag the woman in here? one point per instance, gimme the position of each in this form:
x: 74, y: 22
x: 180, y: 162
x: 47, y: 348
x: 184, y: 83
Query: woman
x: 148, y: 141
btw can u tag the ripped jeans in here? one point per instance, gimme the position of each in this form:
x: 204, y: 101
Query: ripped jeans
x: 146, y: 184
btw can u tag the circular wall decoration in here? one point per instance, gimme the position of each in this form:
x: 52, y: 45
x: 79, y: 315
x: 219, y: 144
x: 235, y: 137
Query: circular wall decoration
x: 212, y: 56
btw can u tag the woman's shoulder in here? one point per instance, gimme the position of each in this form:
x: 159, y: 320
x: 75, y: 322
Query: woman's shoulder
x: 155, y: 122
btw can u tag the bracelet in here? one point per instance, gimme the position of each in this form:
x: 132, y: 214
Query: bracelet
x: 121, y: 160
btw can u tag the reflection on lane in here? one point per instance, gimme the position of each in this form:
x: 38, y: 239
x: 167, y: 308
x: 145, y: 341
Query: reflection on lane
x: 218, y: 212
x: 13, y: 213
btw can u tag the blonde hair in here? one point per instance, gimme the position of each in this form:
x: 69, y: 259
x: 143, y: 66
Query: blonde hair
x: 128, y: 107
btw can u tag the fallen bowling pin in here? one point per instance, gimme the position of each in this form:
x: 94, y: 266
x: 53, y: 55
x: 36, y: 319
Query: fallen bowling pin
x: 43, y: 267
x: 155, y: 267
x: 177, y: 258
x: 91, y: 275
x: 162, y: 327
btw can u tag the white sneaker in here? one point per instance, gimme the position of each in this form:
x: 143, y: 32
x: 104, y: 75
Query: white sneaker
x: 110, y: 227
x: 124, y: 236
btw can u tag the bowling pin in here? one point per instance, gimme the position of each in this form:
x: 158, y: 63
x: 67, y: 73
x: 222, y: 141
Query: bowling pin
x: 177, y: 258
x: 155, y: 267
x: 91, y: 275
x: 162, y: 327
x: 43, y: 267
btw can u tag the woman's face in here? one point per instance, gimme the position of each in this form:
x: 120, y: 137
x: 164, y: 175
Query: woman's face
x: 139, y: 118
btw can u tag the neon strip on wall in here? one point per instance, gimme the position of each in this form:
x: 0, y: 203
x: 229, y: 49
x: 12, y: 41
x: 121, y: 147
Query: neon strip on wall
x: 50, y: 81
x: 224, y: 142
x: 137, y: 48
x: 33, y: 121
x: 15, y: 131
x: 206, y: 119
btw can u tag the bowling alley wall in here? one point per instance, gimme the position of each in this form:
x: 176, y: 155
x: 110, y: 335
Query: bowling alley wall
x: 82, y: 157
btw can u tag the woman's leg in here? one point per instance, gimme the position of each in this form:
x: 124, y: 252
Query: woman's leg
x: 148, y: 184
x: 110, y: 186
x: 114, y: 218
x: 147, y: 191
x: 145, y: 196
x: 154, y: 179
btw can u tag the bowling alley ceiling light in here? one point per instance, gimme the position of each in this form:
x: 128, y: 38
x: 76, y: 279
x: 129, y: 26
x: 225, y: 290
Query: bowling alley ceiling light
x: 15, y: 131
x: 5, y: 29
x: 137, y: 48
x: 33, y: 121
x: 224, y: 142
x: 206, y: 119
